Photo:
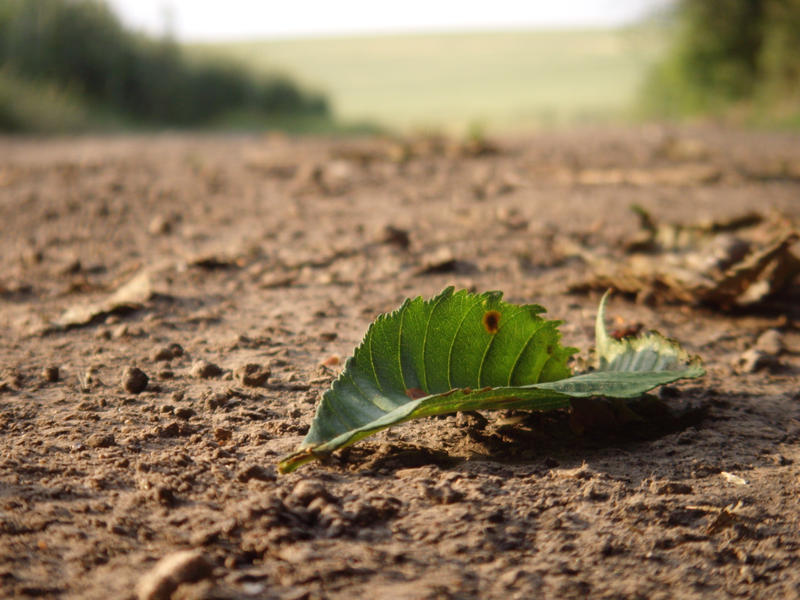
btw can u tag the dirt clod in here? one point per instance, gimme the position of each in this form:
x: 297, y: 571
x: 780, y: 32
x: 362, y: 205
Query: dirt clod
x: 214, y: 400
x: 134, y: 380
x: 51, y: 374
x: 222, y: 435
x: 753, y: 360
x: 672, y: 487
x: 204, y: 369
x: 174, y: 429
x: 306, y: 491
x: 185, y: 412
x: 255, y: 472
x: 159, y: 225
x: 165, y: 496
x: 167, y: 352
x: 395, y: 236
x: 770, y: 342
x: 100, y: 440
x: 251, y: 374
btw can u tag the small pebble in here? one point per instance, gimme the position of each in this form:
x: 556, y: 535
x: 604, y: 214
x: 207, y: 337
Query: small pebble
x: 185, y: 566
x: 165, y: 496
x: 252, y: 375
x: 167, y: 352
x: 255, y: 472
x: 185, y: 413
x: 770, y: 342
x: 51, y: 374
x: 174, y: 429
x: 216, y: 400
x: 120, y: 331
x: 331, y: 361
x: 395, y: 236
x: 754, y: 360
x: 307, y: 490
x: 99, y: 440
x: 222, y: 435
x: 134, y: 380
x: 159, y: 225
x: 671, y: 487
x: 205, y: 370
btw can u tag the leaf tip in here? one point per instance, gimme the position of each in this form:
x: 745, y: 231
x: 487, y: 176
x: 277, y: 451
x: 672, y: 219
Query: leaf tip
x: 296, y: 459
x: 600, y: 332
x: 647, y: 351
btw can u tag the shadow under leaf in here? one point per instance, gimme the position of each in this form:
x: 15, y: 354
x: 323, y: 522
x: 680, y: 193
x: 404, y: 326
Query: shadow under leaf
x: 518, y: 437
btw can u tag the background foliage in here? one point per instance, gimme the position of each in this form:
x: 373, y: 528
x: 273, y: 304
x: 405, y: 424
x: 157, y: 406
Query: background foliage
x: 82, y: 64
x: 729, y: 54
x: 70, y: 65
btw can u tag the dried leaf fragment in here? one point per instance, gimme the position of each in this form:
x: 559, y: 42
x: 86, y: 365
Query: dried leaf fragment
x: 739, y: 261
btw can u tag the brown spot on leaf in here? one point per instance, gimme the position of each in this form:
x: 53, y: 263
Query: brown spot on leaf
x: 415, y: 393
x: 491, y: 321
x: 628, y: 331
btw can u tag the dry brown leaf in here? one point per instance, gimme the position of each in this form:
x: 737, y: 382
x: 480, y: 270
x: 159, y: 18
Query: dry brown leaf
x: 131, y: 296
x: 736, y: 262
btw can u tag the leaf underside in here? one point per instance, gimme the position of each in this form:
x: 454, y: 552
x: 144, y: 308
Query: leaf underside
x: 461, y: 351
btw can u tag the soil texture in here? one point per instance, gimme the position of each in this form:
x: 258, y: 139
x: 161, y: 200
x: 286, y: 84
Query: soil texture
x: 171, y: 308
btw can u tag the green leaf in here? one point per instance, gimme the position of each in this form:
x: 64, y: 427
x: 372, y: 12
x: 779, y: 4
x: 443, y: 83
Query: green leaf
x: 462, y: 351
x: 458, y: 351
x: 629, y: 367
x: 649, y: 351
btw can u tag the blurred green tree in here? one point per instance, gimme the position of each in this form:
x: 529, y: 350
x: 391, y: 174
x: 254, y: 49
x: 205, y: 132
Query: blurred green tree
x: 82, y: 47
x: 727, y: 52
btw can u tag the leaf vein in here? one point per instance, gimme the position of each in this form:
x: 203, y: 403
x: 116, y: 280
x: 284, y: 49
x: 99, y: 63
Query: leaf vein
x: 372, y: 363
x: 424, y: 379
x: 522, y: 351
x: 453, y: 341
x: 403, y: 312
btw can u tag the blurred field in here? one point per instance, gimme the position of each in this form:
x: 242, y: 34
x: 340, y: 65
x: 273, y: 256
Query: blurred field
x: 496, y: 81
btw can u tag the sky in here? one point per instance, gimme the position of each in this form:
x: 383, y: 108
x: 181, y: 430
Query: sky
x: 216, y: 20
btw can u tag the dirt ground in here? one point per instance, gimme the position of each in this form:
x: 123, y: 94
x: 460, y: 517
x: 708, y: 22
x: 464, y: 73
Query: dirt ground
x: 160, y: 252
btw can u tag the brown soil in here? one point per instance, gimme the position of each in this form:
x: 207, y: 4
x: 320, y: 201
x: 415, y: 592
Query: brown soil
x: 276, y: 252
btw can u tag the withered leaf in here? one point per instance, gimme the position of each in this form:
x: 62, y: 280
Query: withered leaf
x: 739, y: 261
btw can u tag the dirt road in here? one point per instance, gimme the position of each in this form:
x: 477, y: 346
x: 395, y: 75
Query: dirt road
x: 139, y: 275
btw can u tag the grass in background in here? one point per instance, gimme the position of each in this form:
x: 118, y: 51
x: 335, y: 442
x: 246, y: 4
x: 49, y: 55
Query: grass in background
x: 501, y: 81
